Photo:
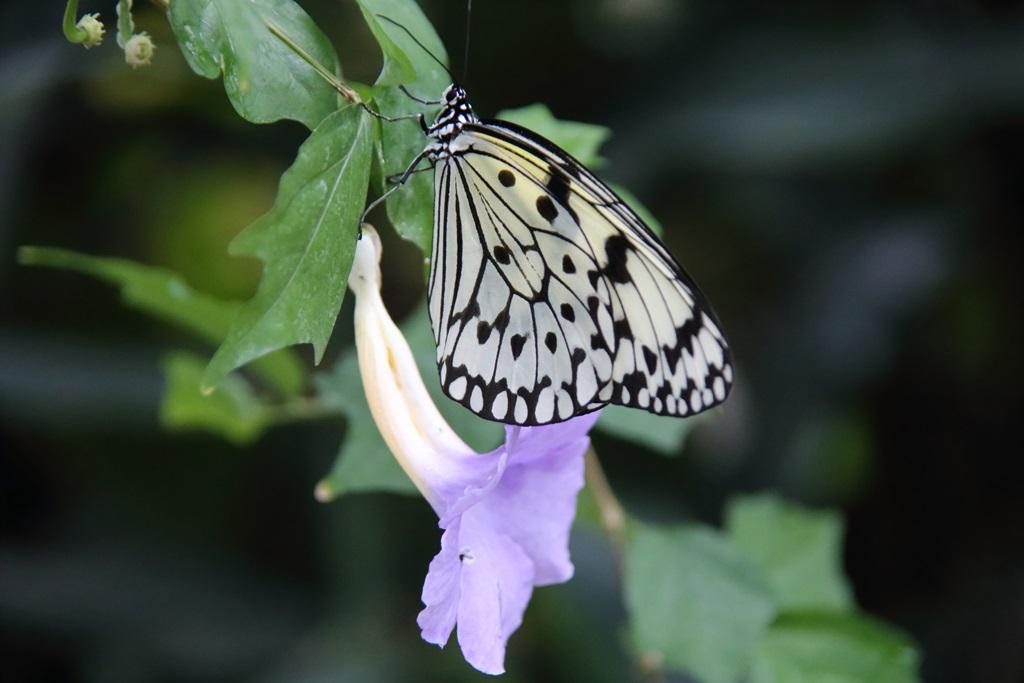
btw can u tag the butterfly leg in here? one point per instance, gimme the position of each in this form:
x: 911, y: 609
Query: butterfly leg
x: 399, y: 178
x: 391, y: 119
x: 419, y: 99
x: 399, y: 181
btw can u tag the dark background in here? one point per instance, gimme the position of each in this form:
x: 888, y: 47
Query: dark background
x: 843, y: 179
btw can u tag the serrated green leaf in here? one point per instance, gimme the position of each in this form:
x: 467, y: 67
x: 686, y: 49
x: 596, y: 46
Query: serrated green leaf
x: 264, y: 79
x: 695, y: 603
x: 581, y: 140
x: 833, y: 648
x: 166, y: 295
x: 306, y: 241
x: 664, y: 435
x: 364, y: 462
x: 233, y: 411
x: 410, y: 208
x: 799, y: 550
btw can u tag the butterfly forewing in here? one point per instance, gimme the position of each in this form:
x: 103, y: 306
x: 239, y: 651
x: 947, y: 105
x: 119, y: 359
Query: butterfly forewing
x: 550, y: 298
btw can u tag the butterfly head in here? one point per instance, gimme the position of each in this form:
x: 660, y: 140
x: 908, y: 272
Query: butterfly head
x: 455, y: 95
x: 453, y: 115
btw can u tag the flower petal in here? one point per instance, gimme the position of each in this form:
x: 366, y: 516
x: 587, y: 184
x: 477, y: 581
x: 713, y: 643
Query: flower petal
x: 496, y: 584
x: 533, y: 443
x: 535, y: 503
x: 441, y: 591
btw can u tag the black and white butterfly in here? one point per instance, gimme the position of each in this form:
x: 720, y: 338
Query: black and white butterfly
x: 549, y: 297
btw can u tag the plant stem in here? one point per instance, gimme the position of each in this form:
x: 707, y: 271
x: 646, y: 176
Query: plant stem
x: 346, y: 92
x: 71, y: 30
x: 612, y: 514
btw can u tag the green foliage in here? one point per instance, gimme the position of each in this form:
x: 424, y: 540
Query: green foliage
x: 233, y: 411
x: 696, y: 603
x: 833, y: 648
x: 306, y: 242
x: 796, y: 549
x: 264, y: 79
x: 167, y: 296
x: 364, y: 462
x: 764, y: 601
x: 410, y: 208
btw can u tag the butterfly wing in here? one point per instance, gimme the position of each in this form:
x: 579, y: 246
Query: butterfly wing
x: 550, y: 298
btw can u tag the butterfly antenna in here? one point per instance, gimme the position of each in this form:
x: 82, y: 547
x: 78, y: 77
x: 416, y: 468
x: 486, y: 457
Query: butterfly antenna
x: 417, y: 41
x: 465, y: 58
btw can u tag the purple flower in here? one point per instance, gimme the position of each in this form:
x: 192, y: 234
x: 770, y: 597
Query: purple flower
x: 506, y: 515
x: 506, y: 530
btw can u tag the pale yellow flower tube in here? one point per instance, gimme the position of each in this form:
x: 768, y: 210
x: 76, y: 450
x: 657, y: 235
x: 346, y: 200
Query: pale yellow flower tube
x: 422, y: 442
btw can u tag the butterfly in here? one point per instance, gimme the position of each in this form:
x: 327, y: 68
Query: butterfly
x: 548, y: 296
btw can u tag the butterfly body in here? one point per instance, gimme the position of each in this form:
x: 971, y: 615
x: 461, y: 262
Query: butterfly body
x: 548, y: 296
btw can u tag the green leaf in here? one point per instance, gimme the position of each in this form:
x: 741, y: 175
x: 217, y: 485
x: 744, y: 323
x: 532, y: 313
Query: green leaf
x: 833, y: 648
x: 410, y: 208
x: 364, y: 461
x: 581, y: 140
x: 799, y: 550
x: 661, y: 434
x: 232, y: 411
x: 695, y: 603
x: 306, y: 242
x: 264, y: 79
x: 397, y: 68
x: 165, y: 295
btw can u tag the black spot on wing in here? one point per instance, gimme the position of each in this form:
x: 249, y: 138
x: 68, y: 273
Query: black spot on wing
x: 634, y: 382
x: 685, y: 336
x: 516, y: 343
x: 616, y: 249
x: 483, y: 331
x: 501, y: 322
x: 502, y: 255
x: 551, y: 341
x: 652, y: 359
x: 568, y: 313
x: 506, y: 178
x: 472, y: 310
x: 546, y: 208
x: 558, y: 186
x: 568, y: 266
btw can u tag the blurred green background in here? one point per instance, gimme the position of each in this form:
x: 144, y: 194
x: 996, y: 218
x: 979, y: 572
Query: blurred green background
x: 843, y: 179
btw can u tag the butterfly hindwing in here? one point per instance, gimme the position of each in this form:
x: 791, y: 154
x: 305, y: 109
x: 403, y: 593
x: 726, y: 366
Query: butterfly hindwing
x: 550, y: 298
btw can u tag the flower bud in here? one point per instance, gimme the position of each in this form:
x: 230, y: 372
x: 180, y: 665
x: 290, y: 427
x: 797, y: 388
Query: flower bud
x: 92, y: 30
x: 138, y: 51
